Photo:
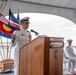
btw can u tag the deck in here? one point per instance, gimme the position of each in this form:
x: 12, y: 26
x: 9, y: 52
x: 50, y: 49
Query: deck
x: 7, y: 73
x: 12, y: 73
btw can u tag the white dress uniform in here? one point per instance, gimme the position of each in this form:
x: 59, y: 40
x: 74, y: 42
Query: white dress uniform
x: 23, y: 37
x: 71, y: 56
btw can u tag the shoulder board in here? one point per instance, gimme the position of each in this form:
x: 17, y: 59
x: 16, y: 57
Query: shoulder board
x: 17, y: 29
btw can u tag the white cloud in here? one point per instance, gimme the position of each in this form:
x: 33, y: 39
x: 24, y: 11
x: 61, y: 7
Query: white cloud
x: 51, y: 25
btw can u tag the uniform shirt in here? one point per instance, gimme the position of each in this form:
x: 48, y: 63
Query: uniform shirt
x: 23, y: 37
x: 69, y: 52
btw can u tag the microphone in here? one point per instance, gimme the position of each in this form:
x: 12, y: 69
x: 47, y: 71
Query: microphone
x: 36, y: 33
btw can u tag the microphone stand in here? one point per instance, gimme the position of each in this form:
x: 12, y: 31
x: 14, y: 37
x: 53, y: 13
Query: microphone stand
x: 40, y: 35
x: 37, y: 34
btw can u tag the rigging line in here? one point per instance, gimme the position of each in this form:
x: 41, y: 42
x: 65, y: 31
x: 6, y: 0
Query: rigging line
x: 3, y: 6
x: 10, y: 52
x: 7, y: 50
x: 1, y: 54
x: 2, y: 47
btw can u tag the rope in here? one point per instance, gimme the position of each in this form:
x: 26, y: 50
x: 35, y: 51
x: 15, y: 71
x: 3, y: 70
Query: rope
x: 1, y: 55
x: 7, y: 49
x: 2, y: 47
x: 10, y: 52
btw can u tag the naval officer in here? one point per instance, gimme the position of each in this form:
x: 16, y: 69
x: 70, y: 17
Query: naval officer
x: 70, y: 55
x: 20, y: 38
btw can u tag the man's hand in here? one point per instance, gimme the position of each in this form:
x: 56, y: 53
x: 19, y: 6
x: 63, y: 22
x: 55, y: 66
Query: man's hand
x: 13, y: 37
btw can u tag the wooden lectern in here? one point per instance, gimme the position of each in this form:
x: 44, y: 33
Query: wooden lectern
x: 42, y: 56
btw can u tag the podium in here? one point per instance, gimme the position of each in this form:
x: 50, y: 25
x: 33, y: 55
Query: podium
x: 42, y: 56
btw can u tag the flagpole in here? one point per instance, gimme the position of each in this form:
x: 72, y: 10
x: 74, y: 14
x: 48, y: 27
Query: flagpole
x: 18, y: 17
x: 18, y: 11
x: 10, y: 4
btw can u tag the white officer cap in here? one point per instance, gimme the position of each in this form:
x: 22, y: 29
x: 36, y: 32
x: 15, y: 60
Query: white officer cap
x: 69, y: 40
x: 25, y: 19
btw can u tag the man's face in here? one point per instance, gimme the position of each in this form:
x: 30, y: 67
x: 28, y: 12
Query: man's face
x: 69, y: 43
x: 25, y: 25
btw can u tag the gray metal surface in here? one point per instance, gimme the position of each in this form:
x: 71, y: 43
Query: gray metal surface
x: 63, y: 8
x: 59, y: 3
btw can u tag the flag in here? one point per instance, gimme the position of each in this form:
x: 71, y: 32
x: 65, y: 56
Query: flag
x: 5, y: 35
x: 12, y: 17
x: 9, y: 23
x: 7, y: 27
x: 18, y: 18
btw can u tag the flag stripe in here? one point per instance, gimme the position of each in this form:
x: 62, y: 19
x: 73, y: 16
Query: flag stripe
x: 5, y: 35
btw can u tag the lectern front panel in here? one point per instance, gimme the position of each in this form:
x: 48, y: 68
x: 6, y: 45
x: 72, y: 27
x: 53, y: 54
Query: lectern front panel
x: 56, y: 56
x: 32, y: 58
x: 42, y: 56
